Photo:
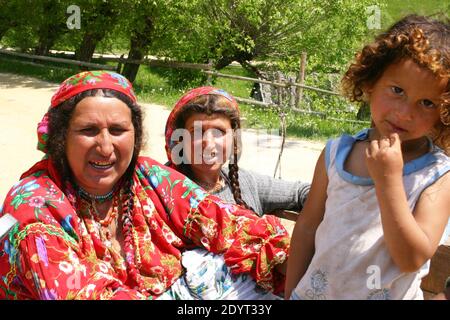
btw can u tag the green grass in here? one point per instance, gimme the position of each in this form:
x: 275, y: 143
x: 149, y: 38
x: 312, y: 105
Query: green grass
x: 153, y: 85
x: 235, y: 87
x: 310, y: 127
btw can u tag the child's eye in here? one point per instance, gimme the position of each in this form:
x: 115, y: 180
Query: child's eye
x: 427, y: 103
x: 397, y: 90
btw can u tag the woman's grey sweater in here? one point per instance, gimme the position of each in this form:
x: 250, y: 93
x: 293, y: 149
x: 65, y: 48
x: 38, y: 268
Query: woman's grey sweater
x: 265, y: 194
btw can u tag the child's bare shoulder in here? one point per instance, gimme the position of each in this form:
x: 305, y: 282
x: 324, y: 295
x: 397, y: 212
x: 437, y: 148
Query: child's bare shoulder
x: 441, y: 185
x: 355, y: 162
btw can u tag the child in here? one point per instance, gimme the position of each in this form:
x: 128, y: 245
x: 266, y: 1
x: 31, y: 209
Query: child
x: 379, y: 200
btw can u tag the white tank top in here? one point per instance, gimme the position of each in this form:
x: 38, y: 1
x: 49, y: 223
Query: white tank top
x: 351, y: 260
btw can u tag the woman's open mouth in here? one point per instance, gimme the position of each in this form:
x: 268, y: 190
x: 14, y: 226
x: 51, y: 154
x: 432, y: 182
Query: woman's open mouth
x: 211, y: 158
x: 102, y: 165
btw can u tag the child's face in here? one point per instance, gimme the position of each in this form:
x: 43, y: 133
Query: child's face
x: 210, y: 143
x: 405, y: 100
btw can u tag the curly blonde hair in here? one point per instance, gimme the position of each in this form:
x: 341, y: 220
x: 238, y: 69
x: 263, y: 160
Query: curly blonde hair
x: 426, y: 42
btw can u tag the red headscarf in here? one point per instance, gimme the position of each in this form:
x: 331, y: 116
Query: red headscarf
x: 180, y: 106
x: 78, y: 83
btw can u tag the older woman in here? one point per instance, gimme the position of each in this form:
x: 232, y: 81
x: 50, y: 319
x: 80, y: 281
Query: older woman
x: 97, y: 221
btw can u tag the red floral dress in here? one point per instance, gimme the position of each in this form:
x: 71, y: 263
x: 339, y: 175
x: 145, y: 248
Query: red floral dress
x: 56, y: 251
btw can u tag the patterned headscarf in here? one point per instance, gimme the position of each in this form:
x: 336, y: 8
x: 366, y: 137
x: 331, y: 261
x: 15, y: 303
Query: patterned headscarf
x: 78, y: 83
x: 180, y: 107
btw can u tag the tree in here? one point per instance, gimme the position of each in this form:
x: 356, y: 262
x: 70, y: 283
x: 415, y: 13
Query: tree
x: 50, y: 23
x: 276, y: 31
x: 98, y: 18
x: 8, y: 18
x: 141, y: 29
x: 36, y: 23
x: 279, y: 30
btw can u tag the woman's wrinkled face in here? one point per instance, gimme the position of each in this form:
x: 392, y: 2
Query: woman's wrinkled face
x: 211, y: 138
x: 99, y: 143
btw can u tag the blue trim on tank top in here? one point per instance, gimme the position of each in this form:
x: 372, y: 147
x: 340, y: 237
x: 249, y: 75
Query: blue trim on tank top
x: 346, y: 144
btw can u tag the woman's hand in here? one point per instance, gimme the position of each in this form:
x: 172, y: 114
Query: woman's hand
x: 384, y: 158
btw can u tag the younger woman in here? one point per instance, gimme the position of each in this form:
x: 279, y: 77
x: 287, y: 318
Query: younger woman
x: 202, y: 133
x: 208, y: 120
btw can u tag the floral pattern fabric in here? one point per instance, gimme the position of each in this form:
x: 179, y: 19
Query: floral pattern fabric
x: 57, y: 252
x: 88, y: 80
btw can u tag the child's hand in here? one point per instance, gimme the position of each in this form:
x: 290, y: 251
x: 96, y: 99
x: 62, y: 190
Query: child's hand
x: 384, y: 158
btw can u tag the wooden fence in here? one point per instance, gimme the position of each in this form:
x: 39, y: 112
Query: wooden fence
x: 294, y: 101
x: 59, y: 60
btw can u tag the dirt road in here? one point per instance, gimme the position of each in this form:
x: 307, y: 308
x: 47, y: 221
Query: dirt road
x: 24, y: 100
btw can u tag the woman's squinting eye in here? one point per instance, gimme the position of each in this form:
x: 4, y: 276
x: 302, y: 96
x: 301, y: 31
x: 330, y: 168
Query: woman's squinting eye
x: 397, y: 90
x: 215, y: 132
x: 116, y: 130
x: 88, y: 130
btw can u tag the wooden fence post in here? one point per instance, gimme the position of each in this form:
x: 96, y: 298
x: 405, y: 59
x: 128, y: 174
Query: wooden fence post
x: 119, y: 64
x: 279, y: 90
x: 300, y: 80
x: 291, y: 92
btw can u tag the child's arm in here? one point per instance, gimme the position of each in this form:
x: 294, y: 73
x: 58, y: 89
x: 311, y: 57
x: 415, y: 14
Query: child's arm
x: 302, y: 241
x: 411, y: 237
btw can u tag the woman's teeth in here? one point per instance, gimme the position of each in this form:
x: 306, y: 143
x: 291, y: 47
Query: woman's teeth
x: 101, y: 164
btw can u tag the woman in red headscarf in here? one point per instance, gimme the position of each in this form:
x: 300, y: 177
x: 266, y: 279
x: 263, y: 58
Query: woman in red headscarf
x: 98, y: 221
x: 202, y: 134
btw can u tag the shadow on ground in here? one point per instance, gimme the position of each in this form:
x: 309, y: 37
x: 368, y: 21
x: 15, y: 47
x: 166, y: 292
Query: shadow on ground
x: 9, y: 80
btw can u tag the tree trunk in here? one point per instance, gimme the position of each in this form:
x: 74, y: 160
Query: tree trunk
x: 87, y: 47
x: 42, y: 49
x: 104, y: 17
x: 222, y: 63
x: 243, y: 58
x: 139, y: 43
x: 130, y: 70
x: 44, y: 45
x: 49, y: 29
x: 246, y: 65
x: 48, y: 34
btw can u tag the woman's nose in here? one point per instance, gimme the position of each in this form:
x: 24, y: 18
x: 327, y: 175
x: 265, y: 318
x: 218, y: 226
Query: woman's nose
x: 208, y: 139
x: 104, y: 143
